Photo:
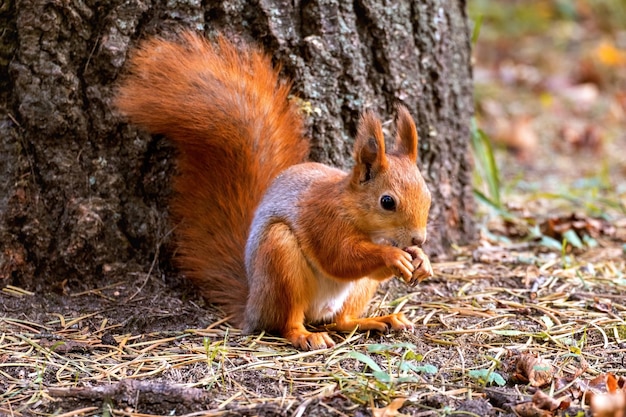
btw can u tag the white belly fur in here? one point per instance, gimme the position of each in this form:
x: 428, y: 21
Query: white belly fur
x: 328, y: 299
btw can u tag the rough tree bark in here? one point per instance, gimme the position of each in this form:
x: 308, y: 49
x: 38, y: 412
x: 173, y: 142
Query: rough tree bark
x: 84, y: 196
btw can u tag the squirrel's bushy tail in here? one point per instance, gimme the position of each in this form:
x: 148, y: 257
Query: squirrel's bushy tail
x: 228, y: 113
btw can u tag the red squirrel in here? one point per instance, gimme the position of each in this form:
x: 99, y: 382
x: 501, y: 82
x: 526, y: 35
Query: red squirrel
x: 277, y: 241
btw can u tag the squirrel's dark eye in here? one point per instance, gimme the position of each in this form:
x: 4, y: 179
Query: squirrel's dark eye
x: 388, y: 203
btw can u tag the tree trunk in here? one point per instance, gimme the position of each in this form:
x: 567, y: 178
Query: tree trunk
x: 84, y: 198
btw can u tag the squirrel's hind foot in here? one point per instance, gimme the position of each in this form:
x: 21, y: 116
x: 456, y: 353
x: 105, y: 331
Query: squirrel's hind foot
x: 395, y: 321
x: 305, y: 340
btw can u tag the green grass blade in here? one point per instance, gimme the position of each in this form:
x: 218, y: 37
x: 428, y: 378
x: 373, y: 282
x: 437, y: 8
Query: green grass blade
x: 486, y: 163
x: 366, y: 360
x: 476, y: 31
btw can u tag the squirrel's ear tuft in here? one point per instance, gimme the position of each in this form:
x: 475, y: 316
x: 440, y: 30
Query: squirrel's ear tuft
x: 406, y: 134
x: 369, y: 148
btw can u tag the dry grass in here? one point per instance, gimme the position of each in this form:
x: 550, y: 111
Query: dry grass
x: 471, y: 320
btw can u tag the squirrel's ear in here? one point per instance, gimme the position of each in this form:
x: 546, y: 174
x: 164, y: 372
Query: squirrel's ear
x: 406, y: 134
x: 369, y: 148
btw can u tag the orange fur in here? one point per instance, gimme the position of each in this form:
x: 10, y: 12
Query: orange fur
x: 278, y: 251
x: 227, y: 110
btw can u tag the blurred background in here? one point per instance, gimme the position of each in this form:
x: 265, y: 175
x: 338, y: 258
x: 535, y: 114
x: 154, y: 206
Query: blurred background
x: 550, y: 91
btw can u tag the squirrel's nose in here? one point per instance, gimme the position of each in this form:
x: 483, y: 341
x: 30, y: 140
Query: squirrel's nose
x: 419, y: 238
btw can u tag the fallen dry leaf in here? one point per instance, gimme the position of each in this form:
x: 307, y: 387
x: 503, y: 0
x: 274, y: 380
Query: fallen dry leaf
x: 542, y: 405
x: 611, y: 384
x: 583, y: 138
x: 517, y: 134
x: 604, y: 306
x: 391, y: 410
x: 620, y: 97
x: 583, y: 225
x: 534, y: 369
x: 530, y: 409
x: 585, y: 390
x: 545, y: 402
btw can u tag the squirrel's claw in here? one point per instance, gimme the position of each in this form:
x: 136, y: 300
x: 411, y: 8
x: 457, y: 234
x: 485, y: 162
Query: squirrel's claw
x: 421, y: 263
x: 306, y: 340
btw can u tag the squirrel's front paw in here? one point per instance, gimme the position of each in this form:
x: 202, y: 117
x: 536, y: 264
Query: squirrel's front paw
x: 421, y: 263
x: 400, y: 262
